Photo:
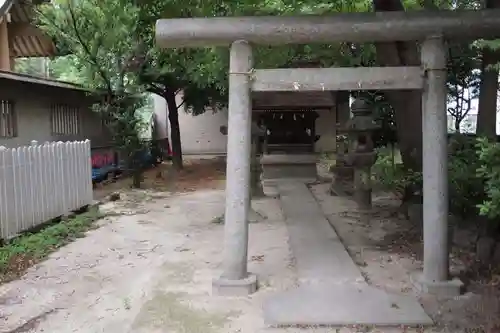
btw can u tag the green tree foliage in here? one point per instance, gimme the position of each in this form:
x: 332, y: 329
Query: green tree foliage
x: 493, y: 45
x: 463, y: 80
x: 32, y: 66
x: 189, y: 78
x: 63, y: 68
x: 466, y: 187
x: 489, y: 157
x: 98, y: 35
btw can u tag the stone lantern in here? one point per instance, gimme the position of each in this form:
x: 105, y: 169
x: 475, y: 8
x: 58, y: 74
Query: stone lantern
x: 362, y: 155
x: 342, y: 170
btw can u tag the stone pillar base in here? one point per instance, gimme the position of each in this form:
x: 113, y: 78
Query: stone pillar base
x: 442, y: 289
x: 253, y: 217
x: 243, y: 287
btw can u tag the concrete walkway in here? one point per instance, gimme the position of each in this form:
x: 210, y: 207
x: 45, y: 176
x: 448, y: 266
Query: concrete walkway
x: 332, y: 290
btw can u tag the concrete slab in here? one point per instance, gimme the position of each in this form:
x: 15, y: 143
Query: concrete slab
x: 320, y: 255
x: 343, y: 305
x: 332, y: 290
x: 292, y: 171
x: 254, y: 216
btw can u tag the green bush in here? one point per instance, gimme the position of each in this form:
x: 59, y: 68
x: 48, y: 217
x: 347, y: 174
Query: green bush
x: 466, y: 187
x: 391, y: 176
x: 489, y: 170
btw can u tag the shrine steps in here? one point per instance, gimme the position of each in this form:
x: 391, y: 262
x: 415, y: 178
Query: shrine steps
x: 279, y: 167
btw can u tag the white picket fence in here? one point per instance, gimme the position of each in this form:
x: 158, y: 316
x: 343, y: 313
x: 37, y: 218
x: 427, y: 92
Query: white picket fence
x: 41, y: 182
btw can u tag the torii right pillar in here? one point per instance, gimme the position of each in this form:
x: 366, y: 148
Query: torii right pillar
x: 435, y: 278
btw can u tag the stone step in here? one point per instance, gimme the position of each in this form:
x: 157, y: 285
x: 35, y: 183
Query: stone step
x: 343, y: 305
x: 287, y: 166
x: 295, y: 159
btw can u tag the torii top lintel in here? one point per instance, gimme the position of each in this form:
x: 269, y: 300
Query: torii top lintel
x: 352, y: 27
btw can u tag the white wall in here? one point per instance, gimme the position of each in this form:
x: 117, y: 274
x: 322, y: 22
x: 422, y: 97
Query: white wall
x: 160, y: 117
x: 201, y: 134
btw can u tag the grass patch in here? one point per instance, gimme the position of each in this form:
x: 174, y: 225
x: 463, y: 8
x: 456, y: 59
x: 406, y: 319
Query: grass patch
x: 24, y: 251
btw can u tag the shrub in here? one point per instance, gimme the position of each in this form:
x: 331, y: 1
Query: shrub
x: 466, y: 186
x: 489, y: 170
x: 391, y: 176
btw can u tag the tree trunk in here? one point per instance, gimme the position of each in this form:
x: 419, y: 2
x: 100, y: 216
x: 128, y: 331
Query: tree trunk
x: 407, y: 104
x: 136, y: 168
x: 457, y: 125
x: 487, y: 107
x: 175, y: 133
x: 137, y: 178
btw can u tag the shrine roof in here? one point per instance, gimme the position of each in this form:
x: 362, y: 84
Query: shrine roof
x: 293, y: 100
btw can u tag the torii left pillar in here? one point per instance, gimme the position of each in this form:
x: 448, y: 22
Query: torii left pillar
x: 235, y: 279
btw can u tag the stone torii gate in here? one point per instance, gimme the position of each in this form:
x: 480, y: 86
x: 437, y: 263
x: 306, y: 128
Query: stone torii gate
x: 431, y: 28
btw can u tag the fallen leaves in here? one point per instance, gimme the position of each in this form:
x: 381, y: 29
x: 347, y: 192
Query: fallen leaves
x: 259, y: 258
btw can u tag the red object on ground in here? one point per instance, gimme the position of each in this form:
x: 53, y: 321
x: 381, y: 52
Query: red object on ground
x: 169, y: 150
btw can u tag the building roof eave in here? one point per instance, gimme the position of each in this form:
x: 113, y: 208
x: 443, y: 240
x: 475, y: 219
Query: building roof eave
x: 41, y: 81
x: 5, y: 6
x: 29, y: 41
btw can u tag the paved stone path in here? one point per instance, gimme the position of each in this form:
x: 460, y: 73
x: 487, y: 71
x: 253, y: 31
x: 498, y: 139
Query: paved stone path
x: 332, y: 289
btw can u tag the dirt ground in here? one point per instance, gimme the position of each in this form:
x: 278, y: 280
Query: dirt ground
x: 208, y: 173
x: 150, y: 264
x: 389, y: 249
